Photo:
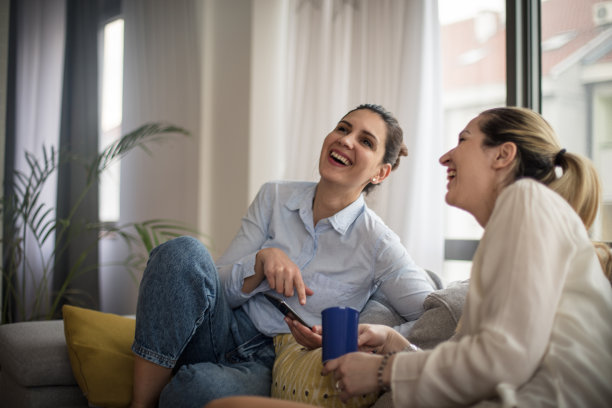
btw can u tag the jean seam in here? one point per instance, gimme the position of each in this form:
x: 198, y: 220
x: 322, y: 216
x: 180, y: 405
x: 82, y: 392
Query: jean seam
x: 153, y: 356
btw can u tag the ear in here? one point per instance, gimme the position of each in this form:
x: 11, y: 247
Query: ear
x: 505, y: 155
x: 383, y: 173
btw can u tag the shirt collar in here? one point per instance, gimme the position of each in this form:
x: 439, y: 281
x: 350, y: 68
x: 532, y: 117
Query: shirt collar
x: 341, y: 221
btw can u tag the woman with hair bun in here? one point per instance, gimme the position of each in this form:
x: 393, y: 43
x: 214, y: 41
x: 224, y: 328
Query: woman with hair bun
x: 535, y: 329
x: 204, y: 329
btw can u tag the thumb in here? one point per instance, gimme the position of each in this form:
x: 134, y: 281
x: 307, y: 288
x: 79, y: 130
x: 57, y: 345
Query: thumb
x: 329, y: 367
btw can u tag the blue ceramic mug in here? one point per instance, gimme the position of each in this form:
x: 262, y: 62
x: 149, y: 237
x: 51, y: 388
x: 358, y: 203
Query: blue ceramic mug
x: 340, y: 327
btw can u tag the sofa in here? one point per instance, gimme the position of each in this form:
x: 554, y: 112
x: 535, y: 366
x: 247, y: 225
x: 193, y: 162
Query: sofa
x: 35, y: 369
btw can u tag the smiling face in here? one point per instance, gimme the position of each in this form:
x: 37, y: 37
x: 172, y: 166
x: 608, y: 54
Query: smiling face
x: 472, y: 173
x: 352, y: 154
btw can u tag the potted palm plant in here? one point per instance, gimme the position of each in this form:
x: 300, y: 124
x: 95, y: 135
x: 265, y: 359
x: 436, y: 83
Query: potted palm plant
x: 30, y: 225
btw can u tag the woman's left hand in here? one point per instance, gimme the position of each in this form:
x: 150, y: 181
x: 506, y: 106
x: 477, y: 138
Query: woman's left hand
x: 354, y: 373
x: 311, y: 338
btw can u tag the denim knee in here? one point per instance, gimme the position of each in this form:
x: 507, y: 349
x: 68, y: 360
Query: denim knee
x: 179, y: 286
x: 180, y: 262
x: 183, y: 249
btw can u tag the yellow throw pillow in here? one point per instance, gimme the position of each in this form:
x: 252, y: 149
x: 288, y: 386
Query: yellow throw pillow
x: 296, y: 376
x: 99, y: 346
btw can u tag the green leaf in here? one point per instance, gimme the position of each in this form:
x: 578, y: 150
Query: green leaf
x: 27, y: 216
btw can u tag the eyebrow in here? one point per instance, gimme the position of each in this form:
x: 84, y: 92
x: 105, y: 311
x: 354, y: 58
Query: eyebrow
x: 372, y: 135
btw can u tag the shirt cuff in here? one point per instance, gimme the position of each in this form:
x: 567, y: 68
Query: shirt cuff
x: 244, y: 269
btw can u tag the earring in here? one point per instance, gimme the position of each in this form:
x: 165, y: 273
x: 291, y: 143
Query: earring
x: 374, y: 180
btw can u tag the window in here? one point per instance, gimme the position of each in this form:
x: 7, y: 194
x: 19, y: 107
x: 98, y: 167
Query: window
x: 111, y: 115
x: 473, y: 38
x: 559, y: 62
x: 577, y: 86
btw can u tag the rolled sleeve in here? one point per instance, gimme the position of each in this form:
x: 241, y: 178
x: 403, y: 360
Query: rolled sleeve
x: 238, y: 262
x: 404, y: 284
x: 232, y: 279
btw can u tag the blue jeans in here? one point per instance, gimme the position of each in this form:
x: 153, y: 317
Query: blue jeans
x: 184, y: 322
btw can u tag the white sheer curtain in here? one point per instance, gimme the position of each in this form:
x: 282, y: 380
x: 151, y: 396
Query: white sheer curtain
x: 161, y: 84
x: 40, y: 61
x: 342, y: 53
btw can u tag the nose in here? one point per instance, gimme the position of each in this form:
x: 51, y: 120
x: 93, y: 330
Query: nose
x: 445, y: 158
x: 346, y: 141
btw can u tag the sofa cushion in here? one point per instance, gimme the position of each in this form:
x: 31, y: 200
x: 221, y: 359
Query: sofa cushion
x: 34, y: 354
x: 297, y: 371
x: 99, y: 346
x: 296, y: 376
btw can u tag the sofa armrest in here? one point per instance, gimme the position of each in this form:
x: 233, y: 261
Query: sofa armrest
x: 35, y: 353
x: 443, y: 310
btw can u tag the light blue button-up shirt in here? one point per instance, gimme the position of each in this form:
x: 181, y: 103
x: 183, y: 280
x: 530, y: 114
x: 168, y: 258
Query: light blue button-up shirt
x: 343, y: 259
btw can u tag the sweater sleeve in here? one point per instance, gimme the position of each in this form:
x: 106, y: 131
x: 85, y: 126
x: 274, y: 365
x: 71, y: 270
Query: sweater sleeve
x: 517, y: 279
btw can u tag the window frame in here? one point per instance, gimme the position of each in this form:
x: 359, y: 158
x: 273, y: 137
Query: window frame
x: 524, y: 54
x: 523, y: 84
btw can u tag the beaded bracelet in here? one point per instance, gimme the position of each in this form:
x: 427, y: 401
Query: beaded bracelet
x: 383, y: 363
x: 381, y: 368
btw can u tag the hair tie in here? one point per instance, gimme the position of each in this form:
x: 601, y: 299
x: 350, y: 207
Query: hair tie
x: 558, y: 157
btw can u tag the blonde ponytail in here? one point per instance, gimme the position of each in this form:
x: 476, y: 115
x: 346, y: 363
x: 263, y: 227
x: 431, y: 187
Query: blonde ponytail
x: 539, y: 156
x: 580, y: 186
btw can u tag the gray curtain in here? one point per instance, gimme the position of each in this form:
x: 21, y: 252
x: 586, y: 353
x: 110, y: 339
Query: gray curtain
x: 34, y: 76
x: 52, y: 102
x: 8, y: 302
x: 79, y: 136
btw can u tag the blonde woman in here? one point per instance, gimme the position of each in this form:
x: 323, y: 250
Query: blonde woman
x: 535, y: 329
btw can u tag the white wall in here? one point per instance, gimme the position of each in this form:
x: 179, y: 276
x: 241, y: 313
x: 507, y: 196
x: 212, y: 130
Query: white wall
x: 224, y: 155
x: 268, y: 45
x: 242, y: 89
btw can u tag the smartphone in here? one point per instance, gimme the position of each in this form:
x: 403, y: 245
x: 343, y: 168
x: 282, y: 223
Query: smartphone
x: 285, y: 308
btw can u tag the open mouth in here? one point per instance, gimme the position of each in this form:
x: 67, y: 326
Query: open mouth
x: 340, y: 159
x: 451, y: 174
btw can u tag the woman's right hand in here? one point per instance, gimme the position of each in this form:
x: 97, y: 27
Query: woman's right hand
x: 380, y: 339
x: 282, y: 274
x: 311, y: 338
